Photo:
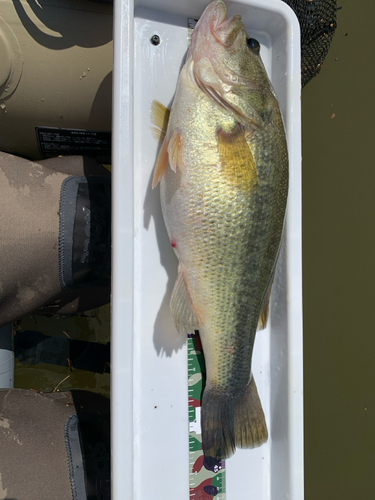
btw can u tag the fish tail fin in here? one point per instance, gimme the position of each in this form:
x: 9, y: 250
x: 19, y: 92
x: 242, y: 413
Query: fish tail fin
x: 232, y: 420
x: 249, y: 422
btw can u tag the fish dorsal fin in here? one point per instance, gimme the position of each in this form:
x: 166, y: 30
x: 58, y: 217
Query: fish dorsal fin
x: 185, y: 316
x: 159, y: 119
x: 236, y: 158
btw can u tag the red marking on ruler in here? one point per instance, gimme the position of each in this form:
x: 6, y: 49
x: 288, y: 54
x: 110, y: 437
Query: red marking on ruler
x: 195, y: 403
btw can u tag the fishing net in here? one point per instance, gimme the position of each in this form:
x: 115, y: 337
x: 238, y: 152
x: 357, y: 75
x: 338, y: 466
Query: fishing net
x: 317, y: 19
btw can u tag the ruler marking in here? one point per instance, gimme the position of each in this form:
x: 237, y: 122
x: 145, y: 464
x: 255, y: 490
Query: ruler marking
x: 203, y: 479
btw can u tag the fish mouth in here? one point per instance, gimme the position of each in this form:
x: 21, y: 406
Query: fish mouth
x: 214, y: 32
x: 211, y: 75
x: 227, y: 31
x: 214, y: 22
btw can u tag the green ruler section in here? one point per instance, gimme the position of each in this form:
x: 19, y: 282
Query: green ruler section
x: 206, y: 475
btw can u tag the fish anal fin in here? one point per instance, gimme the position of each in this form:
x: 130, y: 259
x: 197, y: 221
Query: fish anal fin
x: 265, y: 310
x: 159, y: 118
x: 264, y: 313
x: 175, y: 152
x: 236, y: 158
x: 232, y: 419
x: 161, y: 165
x: 186, y: 317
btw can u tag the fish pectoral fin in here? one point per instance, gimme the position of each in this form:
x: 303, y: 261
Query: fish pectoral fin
x: 159, y: 118
x: 236, y: 158
x: 185, y: 315
x: 175, y: 152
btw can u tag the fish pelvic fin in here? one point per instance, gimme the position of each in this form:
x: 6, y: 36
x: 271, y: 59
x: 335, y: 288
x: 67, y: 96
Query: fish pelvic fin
x: 185, y: 316
x: 161, y: 164
x: 159, y: 119
x: 170, y: 154
x: 175, y: 152
x: 236, y: 158
x: 231, y: 420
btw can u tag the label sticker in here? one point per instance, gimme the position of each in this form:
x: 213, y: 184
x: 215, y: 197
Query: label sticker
x: 65, y: 141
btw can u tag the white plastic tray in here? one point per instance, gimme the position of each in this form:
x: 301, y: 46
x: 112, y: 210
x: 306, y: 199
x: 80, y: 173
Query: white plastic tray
x: 149, y: 368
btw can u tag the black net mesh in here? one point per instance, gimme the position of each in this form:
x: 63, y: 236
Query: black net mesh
x: 317, y: 20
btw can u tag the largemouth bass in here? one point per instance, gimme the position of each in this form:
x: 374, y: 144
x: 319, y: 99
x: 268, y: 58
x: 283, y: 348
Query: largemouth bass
x: 223, y: 172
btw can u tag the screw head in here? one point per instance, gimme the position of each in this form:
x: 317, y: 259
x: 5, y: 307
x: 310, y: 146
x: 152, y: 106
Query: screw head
x: 155, y: 39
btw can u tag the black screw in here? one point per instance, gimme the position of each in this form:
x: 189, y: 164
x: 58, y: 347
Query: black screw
x: 155, y: 39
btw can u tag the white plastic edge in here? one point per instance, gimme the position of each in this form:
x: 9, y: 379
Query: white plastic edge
x: 122, y: 257
x: 294, y: 265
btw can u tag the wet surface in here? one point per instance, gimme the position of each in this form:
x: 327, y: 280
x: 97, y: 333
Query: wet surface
x: 338, y: 265
x: 93, y: 326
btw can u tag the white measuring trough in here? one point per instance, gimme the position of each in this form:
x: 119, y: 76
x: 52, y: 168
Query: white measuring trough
x: 150, y: 448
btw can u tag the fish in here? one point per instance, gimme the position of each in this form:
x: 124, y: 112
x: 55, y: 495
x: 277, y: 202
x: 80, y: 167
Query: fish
x: 223, y: 174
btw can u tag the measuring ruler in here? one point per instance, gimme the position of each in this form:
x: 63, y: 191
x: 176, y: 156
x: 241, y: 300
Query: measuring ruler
x: 206, y: 475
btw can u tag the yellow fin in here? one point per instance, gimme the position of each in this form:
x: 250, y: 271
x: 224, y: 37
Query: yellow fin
x: 185, y: 316
x: 236, y: 159
x: 175, y: 152
x: 161, y: 164
x: 250, y: 426
x: 232, y: 419
x: 159, y: 118
x: 265, y: 311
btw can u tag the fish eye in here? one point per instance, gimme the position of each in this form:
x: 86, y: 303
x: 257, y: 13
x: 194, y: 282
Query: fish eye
x: 253, y: 44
